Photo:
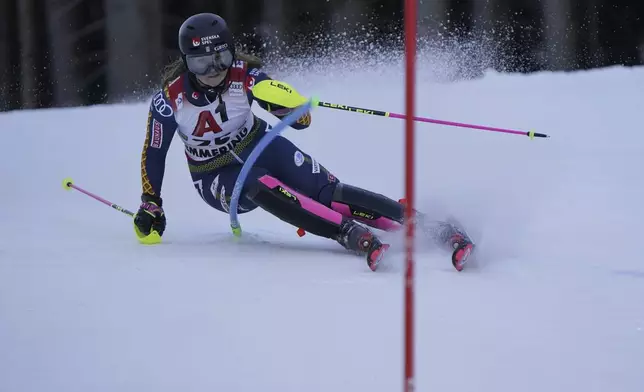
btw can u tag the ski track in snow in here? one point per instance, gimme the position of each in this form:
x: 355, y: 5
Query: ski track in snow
x: 554, y: 301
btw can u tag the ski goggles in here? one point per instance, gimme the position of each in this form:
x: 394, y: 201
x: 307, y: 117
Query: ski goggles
x: 211, y: 63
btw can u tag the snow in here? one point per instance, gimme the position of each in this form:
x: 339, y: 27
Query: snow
x: 555, y: 301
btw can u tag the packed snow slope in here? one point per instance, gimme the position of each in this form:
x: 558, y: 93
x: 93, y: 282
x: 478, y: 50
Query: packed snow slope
x: 555, y: 301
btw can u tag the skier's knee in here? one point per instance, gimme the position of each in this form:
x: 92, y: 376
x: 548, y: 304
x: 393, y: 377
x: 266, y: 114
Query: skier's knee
x: 252, y: 188
x: 325, y: 196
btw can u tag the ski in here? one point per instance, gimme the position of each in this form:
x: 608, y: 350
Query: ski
x: 375, y: 256
x: 461, y: 243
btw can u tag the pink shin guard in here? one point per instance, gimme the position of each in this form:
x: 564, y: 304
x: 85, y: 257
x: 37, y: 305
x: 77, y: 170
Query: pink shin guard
x: 381, y: 223
x: 307, y: 203
x: 333, y: 214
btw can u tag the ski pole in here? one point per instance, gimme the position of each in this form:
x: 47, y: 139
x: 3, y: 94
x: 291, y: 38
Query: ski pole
x: 68, y: 184
x: 152, y: 238
x: 373, y: 112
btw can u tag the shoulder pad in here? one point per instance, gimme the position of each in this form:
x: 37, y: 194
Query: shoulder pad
x: 161, y: 104
x: 238, y: 71
x: 174, y: 91
x: 238, y: 77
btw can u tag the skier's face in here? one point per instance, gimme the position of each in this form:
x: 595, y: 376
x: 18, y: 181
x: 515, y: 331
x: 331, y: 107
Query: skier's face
x: 212, y: 80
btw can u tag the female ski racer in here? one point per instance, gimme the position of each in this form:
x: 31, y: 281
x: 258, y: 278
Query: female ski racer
x: 206, y: 97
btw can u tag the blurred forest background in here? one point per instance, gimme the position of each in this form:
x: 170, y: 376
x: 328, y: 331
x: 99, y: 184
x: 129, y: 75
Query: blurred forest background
x: 81, y: 52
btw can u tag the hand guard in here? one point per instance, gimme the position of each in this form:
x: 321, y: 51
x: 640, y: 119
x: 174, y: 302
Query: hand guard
x: 150, y: 215
x: 280, y: 99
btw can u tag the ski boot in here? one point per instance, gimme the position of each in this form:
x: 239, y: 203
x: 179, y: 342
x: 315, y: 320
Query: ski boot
x: 462, y: 247
x: 359, y: 239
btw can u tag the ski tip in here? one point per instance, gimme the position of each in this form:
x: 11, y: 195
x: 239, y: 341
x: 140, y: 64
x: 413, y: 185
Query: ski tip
x: 460, y: 256
x: 375, y: 256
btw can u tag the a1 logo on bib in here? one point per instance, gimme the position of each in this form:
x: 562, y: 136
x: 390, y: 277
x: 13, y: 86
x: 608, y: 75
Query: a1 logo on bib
x: 205, y: 124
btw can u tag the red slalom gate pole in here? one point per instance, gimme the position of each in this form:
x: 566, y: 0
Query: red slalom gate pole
x: 410, y: 82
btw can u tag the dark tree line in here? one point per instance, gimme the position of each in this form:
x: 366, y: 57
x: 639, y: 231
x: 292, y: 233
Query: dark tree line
x: 79, y: 52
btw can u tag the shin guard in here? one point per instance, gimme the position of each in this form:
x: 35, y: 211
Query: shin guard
x: 291, y: 207
x: 300, y: 211
x: 371, y: 208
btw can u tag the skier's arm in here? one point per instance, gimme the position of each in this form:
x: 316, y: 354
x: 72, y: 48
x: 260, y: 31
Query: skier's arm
x: 255, y: 76
x: 161, y: 127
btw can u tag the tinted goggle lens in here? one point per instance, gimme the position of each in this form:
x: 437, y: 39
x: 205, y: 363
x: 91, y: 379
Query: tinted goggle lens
x: 205, y: 64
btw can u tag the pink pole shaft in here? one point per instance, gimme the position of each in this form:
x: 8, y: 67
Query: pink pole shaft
x: 96, y: 197
x: 457, y: 124
x: 373, y: 112
x: 92, y: 195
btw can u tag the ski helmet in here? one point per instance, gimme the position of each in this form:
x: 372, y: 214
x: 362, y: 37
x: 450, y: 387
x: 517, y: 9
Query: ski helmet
x: 206, y: 44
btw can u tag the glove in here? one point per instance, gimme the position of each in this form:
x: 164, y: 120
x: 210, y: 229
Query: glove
x: 277, y: 110
x: 150, y: 215
x: 305, y: 120
x: 281, y: 112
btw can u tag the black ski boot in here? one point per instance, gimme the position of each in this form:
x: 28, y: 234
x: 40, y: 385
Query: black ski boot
x: 359, y: 239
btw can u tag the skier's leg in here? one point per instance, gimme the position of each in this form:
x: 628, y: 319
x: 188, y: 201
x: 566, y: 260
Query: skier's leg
x: 301, y: 174
x: 301, y: 211
x: 381, y: 212
x: 300, y: 171
x: 371, y: 208
x: 289, y: 206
